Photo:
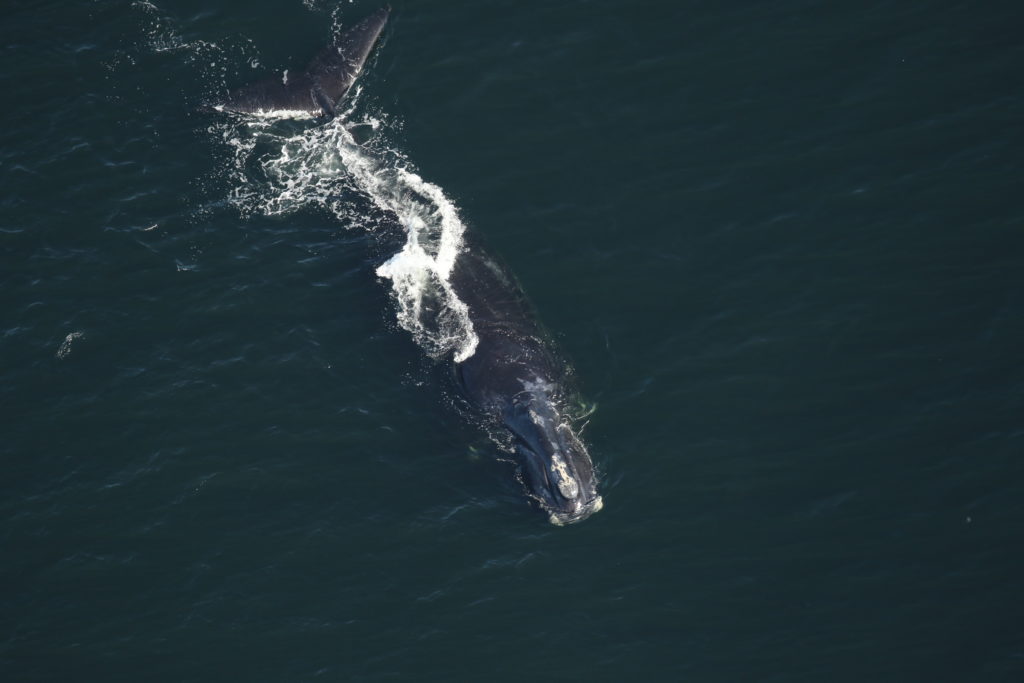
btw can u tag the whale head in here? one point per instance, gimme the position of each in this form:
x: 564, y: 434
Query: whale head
x: 556, y: 467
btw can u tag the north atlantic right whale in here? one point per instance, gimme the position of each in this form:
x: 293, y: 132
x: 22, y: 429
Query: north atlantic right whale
x: 514, y: 377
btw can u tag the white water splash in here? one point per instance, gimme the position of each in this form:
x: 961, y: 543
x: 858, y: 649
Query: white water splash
x: 317, y: 166
x: 275, y: 172
x: 65, y: 347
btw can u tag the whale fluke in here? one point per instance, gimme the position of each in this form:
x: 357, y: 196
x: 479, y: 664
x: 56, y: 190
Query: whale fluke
x: 325, y: 81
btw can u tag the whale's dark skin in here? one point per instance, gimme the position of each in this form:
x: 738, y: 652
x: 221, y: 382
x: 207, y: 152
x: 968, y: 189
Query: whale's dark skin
x: 518, y: 380
x: 514, y: 377
x: 326, y: 80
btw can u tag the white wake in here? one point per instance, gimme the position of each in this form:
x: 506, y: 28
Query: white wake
x: 277, y: 166
x: 277, y: 173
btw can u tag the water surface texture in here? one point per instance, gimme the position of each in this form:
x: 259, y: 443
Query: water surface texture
x: 781, y: 241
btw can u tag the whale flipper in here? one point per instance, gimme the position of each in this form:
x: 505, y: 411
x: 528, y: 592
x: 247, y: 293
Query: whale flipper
x: 325, y: 81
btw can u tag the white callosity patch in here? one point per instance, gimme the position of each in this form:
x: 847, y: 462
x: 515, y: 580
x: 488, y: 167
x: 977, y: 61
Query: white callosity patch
x: 317, y: 166
x: 564, y: 479
x: 566, y: 482
x: 538, y: 386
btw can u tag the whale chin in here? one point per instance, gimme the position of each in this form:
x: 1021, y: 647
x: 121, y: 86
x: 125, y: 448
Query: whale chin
x: 577, y: 513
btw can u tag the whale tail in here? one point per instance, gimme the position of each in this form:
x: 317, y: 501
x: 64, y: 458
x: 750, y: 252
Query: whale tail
x: 318, y: 90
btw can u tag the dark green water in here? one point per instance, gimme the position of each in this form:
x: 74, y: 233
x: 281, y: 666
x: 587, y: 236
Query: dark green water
x: 782, y: 243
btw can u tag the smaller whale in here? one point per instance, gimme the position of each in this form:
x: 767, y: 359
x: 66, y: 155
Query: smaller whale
x: 317, y: 90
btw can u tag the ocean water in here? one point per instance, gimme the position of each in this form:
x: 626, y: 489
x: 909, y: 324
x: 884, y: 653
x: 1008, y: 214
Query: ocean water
x: 782, y: 244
